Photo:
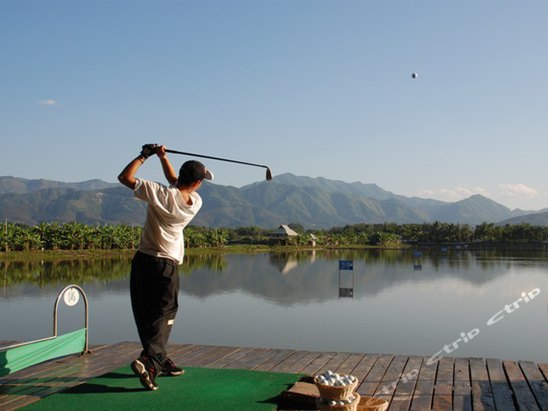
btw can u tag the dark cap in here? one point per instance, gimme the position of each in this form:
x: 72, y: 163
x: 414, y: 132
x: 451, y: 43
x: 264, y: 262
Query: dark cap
x: 193, y: 171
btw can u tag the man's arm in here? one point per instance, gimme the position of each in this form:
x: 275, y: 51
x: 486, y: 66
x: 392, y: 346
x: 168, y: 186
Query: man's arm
x: 169, y: 172
x: 127, y: 176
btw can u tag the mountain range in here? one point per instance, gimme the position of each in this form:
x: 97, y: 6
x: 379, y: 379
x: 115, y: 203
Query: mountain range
x: 311, y: 202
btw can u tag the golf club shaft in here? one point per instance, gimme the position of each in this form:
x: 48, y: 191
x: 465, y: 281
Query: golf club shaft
x: 215, y: 158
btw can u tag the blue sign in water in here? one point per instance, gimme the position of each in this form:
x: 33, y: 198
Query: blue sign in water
x: 346, y: 265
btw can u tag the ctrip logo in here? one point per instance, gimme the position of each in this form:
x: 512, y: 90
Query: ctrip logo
x: 510, y: 308
x: 464, y: 338
x: 470, y: 335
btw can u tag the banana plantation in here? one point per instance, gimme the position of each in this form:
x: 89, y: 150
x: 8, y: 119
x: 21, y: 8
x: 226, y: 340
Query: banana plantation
x: 78, y: 236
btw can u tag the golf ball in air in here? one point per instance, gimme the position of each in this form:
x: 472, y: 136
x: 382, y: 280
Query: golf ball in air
x: 414, y: 75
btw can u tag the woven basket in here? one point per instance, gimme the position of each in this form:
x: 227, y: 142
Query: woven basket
x: 323, y: 405
x: 373, y: 404
x: 329, y: 392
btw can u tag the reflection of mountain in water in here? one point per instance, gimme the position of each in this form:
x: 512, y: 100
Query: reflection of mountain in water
x: 316, y: 278
x: 283, y: 278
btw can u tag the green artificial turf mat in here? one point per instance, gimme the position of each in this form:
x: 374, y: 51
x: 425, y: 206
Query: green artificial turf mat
x: 197, y: 389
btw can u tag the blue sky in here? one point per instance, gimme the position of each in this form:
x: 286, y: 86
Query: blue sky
x: 316, y: 88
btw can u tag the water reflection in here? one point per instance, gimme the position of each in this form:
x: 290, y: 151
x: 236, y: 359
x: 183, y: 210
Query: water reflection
x: 395, y: 302
x: 288, y: 277
x: 60, y: 272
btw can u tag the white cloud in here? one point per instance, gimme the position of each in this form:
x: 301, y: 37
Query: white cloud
x: 517, y: 190
x: 452, y: 194
x: 49, y: 102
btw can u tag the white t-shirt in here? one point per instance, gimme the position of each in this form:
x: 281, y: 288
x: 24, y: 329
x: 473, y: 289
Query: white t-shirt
x: 167, y: 216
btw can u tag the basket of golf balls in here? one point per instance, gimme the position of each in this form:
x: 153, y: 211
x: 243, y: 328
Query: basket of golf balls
x: 349, y: 404
x: 333, y: 386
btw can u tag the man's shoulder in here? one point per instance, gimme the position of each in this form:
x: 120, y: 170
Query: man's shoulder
x: 149, y: 183
x: 196, y: 198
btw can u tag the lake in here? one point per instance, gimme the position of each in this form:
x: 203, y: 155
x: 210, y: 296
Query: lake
x: 448, y: 303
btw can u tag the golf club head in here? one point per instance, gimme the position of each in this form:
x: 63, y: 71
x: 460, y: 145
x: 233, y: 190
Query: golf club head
x: 268, y: 174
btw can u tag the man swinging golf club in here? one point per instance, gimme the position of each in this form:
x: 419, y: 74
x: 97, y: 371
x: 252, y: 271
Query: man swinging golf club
x: 154, y: 281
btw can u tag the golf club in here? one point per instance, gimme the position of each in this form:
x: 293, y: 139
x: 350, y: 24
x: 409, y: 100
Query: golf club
x: 268, y: 172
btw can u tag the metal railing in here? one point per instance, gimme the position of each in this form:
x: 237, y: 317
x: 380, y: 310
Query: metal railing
x: 70, y: 298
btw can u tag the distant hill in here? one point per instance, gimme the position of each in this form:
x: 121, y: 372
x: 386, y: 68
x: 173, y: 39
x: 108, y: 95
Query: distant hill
x: 472, y: 210
x: 538, y: 219
x: 17, y: 185
x: 311, y: 202
x: 110, y: 205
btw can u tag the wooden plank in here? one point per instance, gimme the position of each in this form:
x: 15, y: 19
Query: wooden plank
x: 399, y: 403
x: 177, y: 352
x: 60, y: 378
x: 523, y: 395
x: 279, y: 356
x: 424, y: 389
x: 19, y: 402
x: 208, y: 354
x: 443, y: 389
x: 462, y: 390
x: 193, y: 355
x: 406, y: 385
x: 110, y: 359
x: 442, y: 403
x: 370, y: 384
x: 544, y: 370
x: 204, y: 359
x: 296, y: 362
x: 175, y: 348
x: 251, y: 360
x: 41, y: 375
x: 537, y: 382
x: 254, y: 359
x: 379, y: 369
x: 482, y: 394
x: 7, y: 401
x: 365, y: 365
x: 395, y: 369
x: 318, y: 363
x: 348, y: 365
x: 403, y: 395
x: 391, y: 378
x: 428, y: 370
x: 421, y: 402
x: 248, y: 353
x: 335, y: 362
x: 502, y: 393
x: 227, y: 359
x: 462, y: 369
x: 31, y: 372
x: 446, y: 368
x: 269, y: 356
x: 462, y: 402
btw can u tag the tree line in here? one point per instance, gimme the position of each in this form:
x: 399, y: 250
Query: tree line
x: 78, y: 236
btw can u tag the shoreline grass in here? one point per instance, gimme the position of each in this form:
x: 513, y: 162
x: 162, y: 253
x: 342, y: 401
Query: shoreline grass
x: 47, y: 255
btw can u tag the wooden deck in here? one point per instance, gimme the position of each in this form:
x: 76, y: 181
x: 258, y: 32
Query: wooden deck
x: 407, y: 382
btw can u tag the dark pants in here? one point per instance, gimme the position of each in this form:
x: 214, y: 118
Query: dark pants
x: 154, y: 288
